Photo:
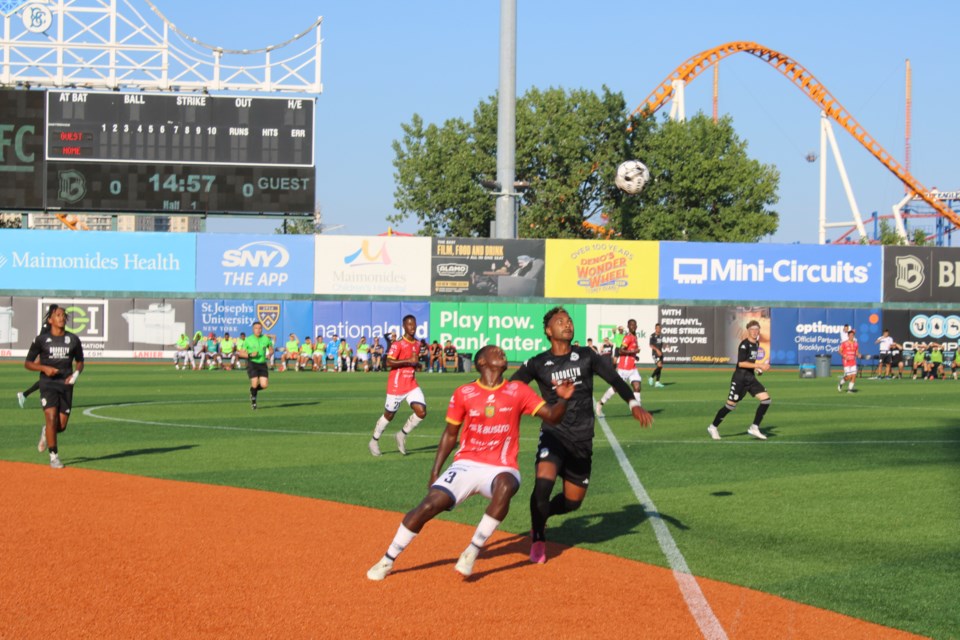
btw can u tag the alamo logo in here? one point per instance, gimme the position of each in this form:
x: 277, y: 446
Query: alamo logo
x: 452, y: 270
x: 268, y: 314
x: 909, y: 273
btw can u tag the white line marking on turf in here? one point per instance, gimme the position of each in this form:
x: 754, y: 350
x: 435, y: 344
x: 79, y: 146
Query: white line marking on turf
x: 689, y: 588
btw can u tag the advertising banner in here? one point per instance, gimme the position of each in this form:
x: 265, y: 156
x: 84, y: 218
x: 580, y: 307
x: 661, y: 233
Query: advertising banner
x: 279, y: 318
x: 515, y: 328
x: 605, y: 320
x: 351, y: 320
x: 97, y: 261
x: 602, y: 269
x: 915, y: 326
x: 488, y: 267
x: 254, y: 263
x: 111, y: 328
x: 22, y: 131
x: 372, y: 265
x: 921, y: 274
x: 799, y: 335
x: 694, y: 335
x: 718, y: 271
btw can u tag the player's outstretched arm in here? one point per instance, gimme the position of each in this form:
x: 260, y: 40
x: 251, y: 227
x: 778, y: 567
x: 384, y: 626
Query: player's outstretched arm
x: 641, y: 415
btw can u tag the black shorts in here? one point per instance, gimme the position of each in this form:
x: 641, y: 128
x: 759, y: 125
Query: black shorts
x: 572, y: 467
x: 886, y: 358
x: 740, y: 385
x: 658, y: 361
x: 58, y: 394
x: 257, y: 370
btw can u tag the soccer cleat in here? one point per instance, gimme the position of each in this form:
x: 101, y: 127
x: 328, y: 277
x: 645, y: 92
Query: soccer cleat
x: 380, y: 570
x: 538, y: 552
x: 840, y: 387
x: 374, y: 447
x: 650, y: 381
x: 21, y: 399
x: 42, y: 445
x: 55, y: 462
x: 754, y: 430
x: 599, y: 409
x: 856, y: 390
x: 253, y: 403
x: 659, y: 385
x: 402, y: 442
x: 714, y: 432
x: 465, y: 563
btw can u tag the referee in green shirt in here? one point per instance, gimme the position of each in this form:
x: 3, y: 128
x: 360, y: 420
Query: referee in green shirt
x: 257, y: 349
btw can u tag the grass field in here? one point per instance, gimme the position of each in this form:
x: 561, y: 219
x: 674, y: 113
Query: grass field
x: 852, y: 505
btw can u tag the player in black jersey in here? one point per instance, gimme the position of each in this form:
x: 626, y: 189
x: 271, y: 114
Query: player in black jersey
x: 566, y: 449
x: 656, y: 348
x: 44, y: 328
x: 745, y: 381
x: 57, y: 349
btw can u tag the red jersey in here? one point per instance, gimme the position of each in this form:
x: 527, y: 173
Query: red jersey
x: 490, y: 420
x: 630, y: 344
x: 402, y: 380
x: 848, y: 353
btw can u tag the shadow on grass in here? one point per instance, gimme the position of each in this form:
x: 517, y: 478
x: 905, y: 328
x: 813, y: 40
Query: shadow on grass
x: 132, y: 452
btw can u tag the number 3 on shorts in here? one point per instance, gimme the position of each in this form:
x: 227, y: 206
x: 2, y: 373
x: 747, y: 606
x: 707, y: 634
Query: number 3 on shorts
x: 448, y: 478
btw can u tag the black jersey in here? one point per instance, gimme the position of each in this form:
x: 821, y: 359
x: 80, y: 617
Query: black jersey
x: 746, y: 352
x: 580, y: 365
x: 56, y: 351
x: 656, y: 342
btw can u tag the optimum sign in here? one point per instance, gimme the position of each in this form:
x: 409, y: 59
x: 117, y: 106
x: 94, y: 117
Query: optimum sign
x: 770, y: 272
x: 254, y: 263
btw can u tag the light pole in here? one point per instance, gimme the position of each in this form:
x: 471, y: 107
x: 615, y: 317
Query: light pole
x: 505, y: 225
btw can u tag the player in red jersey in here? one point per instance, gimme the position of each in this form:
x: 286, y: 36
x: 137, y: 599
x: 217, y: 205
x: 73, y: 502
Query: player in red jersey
x: 403, y: 361
x: 849, y: 352
x: 626, y: 365
x: 486, y: 415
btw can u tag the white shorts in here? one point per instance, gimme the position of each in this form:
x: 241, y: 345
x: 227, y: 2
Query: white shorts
x: 849, y: 370
x: 629, y: 375
x: 413, y: 396
x: 363, y: 357
x: 464, y: 478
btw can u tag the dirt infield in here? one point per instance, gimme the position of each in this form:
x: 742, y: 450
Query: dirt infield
x: 88, y: 554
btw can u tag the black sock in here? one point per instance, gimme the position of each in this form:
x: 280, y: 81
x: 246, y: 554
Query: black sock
x: 540, y: 508
x: 724, y: 410
x: 253, y: 392
x: 52, y: 450
x: 761, y: 410
x: 560, y: 505
x: 33, y: 387
x: 656, y: 373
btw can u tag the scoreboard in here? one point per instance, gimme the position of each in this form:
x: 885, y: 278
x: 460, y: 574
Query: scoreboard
x: 167, y: 152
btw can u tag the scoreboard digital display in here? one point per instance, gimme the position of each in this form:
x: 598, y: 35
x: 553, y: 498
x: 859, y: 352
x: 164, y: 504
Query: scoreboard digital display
x: 179, y: 153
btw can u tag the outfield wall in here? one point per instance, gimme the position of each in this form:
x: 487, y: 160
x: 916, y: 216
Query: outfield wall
x: 132, y: 294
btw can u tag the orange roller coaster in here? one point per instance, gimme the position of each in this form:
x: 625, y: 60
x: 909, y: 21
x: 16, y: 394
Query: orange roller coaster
x: 814, y: 90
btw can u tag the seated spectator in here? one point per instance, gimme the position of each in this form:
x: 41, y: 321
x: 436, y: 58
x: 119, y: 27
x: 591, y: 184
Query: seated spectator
x: 376, y: 354
x: 450, y: 358
x: 425, y: 356
x: 436, y: 356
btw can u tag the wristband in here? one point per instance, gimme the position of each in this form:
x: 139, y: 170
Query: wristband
x: 634, y: 403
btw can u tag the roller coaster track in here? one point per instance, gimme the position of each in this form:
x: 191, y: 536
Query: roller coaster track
x: 813, y: 88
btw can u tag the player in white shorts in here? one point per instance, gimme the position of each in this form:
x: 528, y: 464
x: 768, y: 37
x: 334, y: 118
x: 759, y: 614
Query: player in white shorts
x: 626, y: 366
x: 486, y: 416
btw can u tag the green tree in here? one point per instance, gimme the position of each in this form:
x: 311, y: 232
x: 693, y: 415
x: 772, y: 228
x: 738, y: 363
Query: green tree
x: 302, y: 226
x: 562, y: 140
x: 569, y: 144
x: 888, y: 235
x: 703, y: 186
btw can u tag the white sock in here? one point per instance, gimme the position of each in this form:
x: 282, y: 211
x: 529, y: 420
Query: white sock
x: 484, y: 530
x: 381, y: 426
x: 850, y: 385
x: 400, y: 541
x: 636, y: 395
x: 607, y: 395
x: 411, y: 423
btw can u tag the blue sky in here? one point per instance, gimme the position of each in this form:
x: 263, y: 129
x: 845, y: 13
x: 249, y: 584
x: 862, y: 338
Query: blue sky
x: 385, y: 61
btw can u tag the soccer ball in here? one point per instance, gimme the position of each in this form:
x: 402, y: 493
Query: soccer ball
x: 632, y: 176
